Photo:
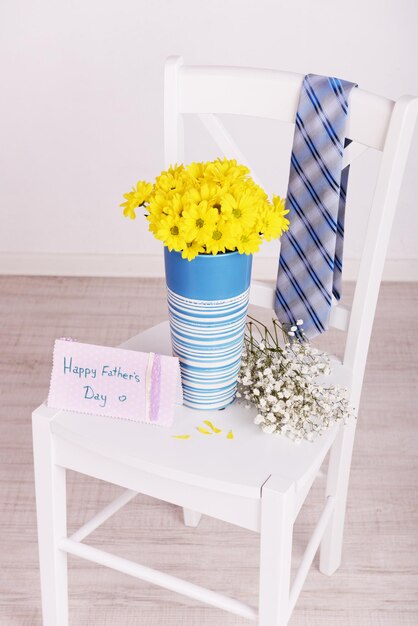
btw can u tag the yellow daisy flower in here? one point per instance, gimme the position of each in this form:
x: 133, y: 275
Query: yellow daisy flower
x: 222, y: 238
x: 192, y: 249
x: 135, y: 198
x: 177, y: 205
x: 196, y: 171
x: 199, y: 221
x: 280, y: 207
x: 176, y: 170
x: 249, y: 243
x: 160, y: 204
x: 258, y: 191
x: 240, y: 209
x: 154, y: 224
x: 273, y: 222
x: 163, y: 205
x: 225, y: 170
x: 207, y: 191
x: 170, y: 233
x: 171, y: 180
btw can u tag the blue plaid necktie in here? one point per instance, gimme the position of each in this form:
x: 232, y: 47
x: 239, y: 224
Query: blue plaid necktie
x: 311, y: 250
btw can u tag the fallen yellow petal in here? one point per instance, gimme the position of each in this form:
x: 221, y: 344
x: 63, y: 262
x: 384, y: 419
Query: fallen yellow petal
x: 203, y: 430
x: 215, y: 430
x: 181, y: 436
x: 230, y: 435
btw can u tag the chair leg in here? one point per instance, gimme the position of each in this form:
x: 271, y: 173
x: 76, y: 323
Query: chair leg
x: 191, y: 518
x: 277, y: 517
x: 337, y: 486
x: 50, y: 488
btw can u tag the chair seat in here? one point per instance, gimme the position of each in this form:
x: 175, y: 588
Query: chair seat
x: 238, y: 466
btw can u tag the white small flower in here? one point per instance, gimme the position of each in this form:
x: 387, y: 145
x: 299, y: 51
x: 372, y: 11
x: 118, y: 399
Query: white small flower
x: 282, y: 382
x: 291, y: 333
x: 268, y: 428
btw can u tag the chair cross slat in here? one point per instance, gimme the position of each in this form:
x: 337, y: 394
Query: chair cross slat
x: 103, y: 515
x: 157, y: 577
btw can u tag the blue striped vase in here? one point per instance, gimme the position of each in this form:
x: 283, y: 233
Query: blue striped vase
x: 207, y: 304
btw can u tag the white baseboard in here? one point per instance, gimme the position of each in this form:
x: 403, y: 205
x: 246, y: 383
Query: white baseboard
x: 152, y: 266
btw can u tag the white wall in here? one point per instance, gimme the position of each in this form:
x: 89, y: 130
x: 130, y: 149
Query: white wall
x: 81, y: 112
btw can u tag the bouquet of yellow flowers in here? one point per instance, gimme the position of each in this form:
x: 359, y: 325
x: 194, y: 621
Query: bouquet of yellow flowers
x: 208, y: 208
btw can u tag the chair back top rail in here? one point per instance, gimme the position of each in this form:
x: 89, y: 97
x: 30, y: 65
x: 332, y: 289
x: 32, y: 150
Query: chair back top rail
x: 374, y: 122
x: 274, y: 94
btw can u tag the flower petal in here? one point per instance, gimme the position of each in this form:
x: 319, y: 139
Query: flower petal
x: 215, y: 430
x: 203, y: 430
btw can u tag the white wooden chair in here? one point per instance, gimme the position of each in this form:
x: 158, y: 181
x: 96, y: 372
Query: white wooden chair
x: 256, y: 481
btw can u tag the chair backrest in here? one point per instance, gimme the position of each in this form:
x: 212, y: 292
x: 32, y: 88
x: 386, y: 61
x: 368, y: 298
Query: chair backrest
x: 374, y: 122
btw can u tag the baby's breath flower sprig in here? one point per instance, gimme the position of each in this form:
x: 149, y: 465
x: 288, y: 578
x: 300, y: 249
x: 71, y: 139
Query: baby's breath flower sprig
x: 281, y: 374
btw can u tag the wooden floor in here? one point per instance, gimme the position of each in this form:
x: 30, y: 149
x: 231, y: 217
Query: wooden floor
x: 377, y: 584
